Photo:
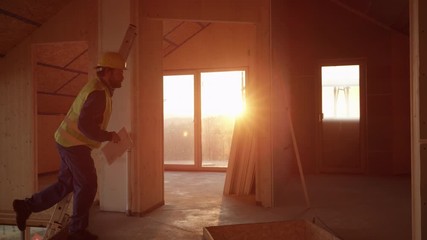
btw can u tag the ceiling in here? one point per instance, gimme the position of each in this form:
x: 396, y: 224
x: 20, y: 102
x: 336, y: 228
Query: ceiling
x: 62, y: 68
x: 60, y: 71
x: 19, y: 18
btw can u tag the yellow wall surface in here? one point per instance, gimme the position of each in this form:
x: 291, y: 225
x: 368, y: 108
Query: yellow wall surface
x: 76, y: 22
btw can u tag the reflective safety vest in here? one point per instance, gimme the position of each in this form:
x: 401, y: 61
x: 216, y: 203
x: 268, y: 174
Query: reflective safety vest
x: 68, y: 133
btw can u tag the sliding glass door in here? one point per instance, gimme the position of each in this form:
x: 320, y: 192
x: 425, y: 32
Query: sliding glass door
x: 199, y: 114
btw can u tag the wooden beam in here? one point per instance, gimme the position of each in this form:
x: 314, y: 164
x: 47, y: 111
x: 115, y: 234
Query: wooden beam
x: 418, y: 115
x: 20, y: 18
x: 61, y: 68
x: 365, y: 16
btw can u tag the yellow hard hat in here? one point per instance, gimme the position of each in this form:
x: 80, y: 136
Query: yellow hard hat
x: 112, y: 60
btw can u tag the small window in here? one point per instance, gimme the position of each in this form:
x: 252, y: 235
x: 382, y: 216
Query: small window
x: 340, y: 92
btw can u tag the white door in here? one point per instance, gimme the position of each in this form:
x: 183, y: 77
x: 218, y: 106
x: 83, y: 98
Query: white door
x: 341, y: 141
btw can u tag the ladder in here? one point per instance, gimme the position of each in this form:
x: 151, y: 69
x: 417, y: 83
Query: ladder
x: 60, y: 217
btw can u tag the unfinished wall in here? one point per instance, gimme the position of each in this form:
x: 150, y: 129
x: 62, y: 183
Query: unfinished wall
x: 284, y: 158
x: 76, y: 22
x: 315, y: 31
x: 401, y: 163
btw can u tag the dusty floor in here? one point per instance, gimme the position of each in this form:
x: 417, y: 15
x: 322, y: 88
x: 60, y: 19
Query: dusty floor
x: 354, y: 207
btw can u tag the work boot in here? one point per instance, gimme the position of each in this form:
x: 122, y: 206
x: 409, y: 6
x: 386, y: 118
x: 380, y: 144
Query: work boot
x: 82, y: 235
x: 23, y: 212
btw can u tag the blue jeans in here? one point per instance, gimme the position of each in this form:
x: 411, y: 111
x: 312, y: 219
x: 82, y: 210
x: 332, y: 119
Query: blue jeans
x: 77, y: 174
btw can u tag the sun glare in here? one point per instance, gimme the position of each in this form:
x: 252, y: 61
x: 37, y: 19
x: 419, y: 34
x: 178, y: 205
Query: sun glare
x: 223, y: 93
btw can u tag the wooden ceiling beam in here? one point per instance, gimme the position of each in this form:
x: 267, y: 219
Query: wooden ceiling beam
x: 61, y: 68
x: 20, y: 18
x: 365, y: 16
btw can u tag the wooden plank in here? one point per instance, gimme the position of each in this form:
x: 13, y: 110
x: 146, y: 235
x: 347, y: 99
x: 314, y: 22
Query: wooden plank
x: 301, y: 172
x: 418, y: 49
x: 232, y: 159
x: 250, y: 176
x: 243, y: 160
x: 240, y: 172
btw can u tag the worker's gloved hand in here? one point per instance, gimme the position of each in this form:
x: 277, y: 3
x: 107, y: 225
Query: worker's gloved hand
x: 115, y: 137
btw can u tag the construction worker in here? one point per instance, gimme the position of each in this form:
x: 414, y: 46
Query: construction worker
x: 83, y: 129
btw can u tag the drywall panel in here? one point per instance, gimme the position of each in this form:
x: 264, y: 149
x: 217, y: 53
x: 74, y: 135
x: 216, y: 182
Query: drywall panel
x: 76, y: 22
x: 113, y: 189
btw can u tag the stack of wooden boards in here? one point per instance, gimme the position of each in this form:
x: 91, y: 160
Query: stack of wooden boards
x: 240, y: 177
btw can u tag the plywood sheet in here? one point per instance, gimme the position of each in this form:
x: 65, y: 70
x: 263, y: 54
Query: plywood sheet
x: 61, y: 54
x: 295, y: 230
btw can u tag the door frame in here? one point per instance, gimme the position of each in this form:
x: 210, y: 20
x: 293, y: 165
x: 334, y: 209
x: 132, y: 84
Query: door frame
x: 363, y: 114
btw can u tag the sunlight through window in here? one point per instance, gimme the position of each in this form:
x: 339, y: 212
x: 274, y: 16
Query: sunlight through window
x: 340, y: 92
x: 222, y: 93
x: 222, y: 101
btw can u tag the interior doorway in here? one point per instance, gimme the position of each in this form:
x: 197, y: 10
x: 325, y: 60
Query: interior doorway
x: 206, y: 67
x: 342, y: 117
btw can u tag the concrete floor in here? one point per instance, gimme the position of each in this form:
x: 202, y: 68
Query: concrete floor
x: 353, y: 207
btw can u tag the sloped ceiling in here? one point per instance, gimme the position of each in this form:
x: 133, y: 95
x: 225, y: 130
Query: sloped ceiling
x: 392, y: 14
x: 60, y: 71
x: 19, y: 18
